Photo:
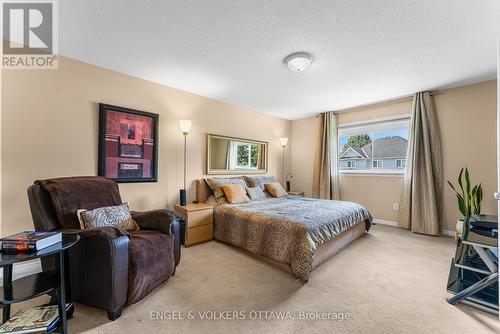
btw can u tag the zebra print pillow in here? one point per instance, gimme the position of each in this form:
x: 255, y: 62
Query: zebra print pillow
x: 108, y: 216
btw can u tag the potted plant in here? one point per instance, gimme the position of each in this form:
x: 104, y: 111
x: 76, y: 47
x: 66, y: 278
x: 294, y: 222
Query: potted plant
x: 469, y: 202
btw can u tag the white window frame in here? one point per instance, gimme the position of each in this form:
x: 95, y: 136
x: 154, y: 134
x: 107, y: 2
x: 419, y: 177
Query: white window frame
x: 402, y: 163
x: 235, y: 156
x: 378, y: 164
x: 369, y: 127
x: 352, y: 164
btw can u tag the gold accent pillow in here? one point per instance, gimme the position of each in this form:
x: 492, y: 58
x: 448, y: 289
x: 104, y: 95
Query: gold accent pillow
x: 216, y: 184
x: 276, y: 189
x: 235, y: 193
x: 108, y: 216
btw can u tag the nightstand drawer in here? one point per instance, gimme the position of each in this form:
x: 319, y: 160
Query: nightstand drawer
x: 199, y: 218
x: 199, y: 234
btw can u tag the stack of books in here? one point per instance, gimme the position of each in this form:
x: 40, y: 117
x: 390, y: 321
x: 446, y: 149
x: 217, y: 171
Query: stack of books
x: 34, y: 320
x: 29, y: 241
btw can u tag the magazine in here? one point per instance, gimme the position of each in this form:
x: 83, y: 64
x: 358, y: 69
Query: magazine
x: 33, y: 320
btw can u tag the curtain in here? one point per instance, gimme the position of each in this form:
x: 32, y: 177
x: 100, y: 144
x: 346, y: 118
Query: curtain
x: 326, y: 183
x: 262, y: 157
x: 228, y: 155
x: 422, y: 196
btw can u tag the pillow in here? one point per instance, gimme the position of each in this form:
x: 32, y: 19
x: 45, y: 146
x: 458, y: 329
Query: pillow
x: 259, y: 181
x: 235, y: 193
x: 256, y: 193
x: 216, y: 184
x: 108, y: 216
x: 276, y: 189
x: 214, y: 202
x: 80, y: 219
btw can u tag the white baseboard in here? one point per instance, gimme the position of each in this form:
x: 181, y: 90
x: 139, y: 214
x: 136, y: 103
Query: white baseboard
x: 448, y: 233
x: 23, y: 269
x: 385, y: 222
x: 395, y: 224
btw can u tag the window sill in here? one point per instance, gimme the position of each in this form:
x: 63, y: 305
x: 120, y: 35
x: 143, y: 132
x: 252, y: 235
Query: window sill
x: 388, y: 172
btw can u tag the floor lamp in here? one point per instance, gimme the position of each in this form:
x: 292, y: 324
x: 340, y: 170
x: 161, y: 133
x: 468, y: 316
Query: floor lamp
x: 283, y: 142
x: 185, y: 126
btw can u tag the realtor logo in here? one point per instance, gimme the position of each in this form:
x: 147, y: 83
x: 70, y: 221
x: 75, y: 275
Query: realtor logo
x: 29, y: 33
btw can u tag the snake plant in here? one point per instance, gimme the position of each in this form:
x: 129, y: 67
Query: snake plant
x: 469, y: 200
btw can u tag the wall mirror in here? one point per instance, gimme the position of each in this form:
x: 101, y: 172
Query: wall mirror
x: 230, y: 155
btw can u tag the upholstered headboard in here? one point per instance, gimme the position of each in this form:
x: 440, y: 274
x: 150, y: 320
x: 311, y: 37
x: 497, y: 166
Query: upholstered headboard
x: 203, y: 191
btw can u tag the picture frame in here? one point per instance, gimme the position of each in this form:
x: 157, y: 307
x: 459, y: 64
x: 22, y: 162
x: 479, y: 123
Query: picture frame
x: 128, y: 144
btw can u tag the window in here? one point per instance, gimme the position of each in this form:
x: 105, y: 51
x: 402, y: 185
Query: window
x: 377, y: 146
x: 245, y: 155
x: 400, y: 163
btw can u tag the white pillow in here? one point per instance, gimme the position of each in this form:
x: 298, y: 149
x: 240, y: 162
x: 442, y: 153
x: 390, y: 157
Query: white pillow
x: 118, y: 215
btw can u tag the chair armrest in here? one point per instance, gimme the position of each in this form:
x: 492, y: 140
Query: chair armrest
x: 166, y: 221
x: 160, y: 220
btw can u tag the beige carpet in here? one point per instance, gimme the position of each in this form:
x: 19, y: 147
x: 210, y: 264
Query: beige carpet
x: 391, y: 281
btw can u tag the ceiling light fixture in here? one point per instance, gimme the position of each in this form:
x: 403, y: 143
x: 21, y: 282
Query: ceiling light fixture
x: 298, y: 61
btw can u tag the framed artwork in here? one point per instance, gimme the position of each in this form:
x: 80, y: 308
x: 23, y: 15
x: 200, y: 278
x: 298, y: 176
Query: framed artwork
x: 128, y: 144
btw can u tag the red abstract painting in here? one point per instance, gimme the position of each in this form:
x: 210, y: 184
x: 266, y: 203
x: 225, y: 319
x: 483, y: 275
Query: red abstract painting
x: 127, y: 144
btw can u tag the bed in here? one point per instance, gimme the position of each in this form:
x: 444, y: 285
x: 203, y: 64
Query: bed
x: 295, y: 233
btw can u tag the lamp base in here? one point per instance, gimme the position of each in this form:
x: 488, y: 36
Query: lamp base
x: 182, y: 196
x: 287, y: 185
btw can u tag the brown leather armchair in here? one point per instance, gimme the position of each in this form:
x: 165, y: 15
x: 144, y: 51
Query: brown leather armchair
x: 109, y: 267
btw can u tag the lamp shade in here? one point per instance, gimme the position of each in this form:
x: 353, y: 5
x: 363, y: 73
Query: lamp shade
x: 185, y: 125
x: 283, y: 141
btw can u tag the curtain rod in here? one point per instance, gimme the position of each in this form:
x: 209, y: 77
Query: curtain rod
x: 394, y: 99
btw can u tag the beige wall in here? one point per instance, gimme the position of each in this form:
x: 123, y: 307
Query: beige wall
x: 467, y: 118
x: 304, y: 133
x: 50, y: 123
x: 1, y: 113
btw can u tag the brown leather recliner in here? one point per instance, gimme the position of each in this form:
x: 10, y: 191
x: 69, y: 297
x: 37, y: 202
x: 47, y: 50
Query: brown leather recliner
x: 109, y: 267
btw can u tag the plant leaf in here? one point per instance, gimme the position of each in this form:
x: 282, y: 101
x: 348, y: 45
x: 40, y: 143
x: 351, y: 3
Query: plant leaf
x: 479, y: 198
x: 461, y: 205
x: 460, y: 181
x: 467, y: 182
x: 451, y: 185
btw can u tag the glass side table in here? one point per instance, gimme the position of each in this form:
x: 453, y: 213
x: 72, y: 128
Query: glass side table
x: 474, y: 278
x: 40, y: 283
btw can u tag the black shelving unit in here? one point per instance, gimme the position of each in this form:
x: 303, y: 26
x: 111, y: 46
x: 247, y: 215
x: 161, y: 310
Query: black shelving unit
x: 38, y: 284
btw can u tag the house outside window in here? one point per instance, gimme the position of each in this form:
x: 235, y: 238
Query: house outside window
x: 378, y: 146
x: 400, y: 163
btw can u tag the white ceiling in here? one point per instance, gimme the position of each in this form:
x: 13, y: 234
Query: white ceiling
x: 232, y: 50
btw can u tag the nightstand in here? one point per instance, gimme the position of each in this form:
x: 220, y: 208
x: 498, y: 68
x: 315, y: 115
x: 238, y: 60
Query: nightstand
x: 296, y: 193
x: 199, y: 218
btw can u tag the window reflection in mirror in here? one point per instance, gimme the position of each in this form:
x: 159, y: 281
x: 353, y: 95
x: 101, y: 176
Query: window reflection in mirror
x: 229, y: 155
